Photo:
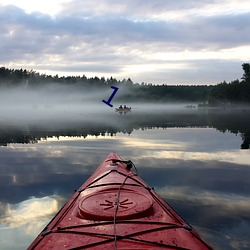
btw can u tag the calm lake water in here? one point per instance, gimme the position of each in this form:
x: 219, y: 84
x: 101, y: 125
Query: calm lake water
x: 197, y: 160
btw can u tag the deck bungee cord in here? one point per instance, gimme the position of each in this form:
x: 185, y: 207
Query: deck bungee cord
x: 129, y: 164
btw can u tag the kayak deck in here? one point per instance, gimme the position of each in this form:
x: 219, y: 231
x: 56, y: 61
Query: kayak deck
x: 116, y: 209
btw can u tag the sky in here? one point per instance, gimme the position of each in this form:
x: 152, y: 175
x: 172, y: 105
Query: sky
x: 159, y: 41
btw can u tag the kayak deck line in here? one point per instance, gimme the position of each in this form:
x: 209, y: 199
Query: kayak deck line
x: 116, y: 209
x: 120, y: 237
x: 124, y: 222
x: 113, y: 183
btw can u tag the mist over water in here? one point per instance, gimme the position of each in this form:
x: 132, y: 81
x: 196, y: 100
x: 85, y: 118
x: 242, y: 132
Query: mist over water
x: 60, y: 102
x: 49, y: 103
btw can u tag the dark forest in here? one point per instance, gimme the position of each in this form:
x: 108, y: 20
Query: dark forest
x: 224, y: 93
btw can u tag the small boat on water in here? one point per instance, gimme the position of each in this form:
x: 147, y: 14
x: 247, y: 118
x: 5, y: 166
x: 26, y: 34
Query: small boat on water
x: 116, y: 209
x: 123, y: 109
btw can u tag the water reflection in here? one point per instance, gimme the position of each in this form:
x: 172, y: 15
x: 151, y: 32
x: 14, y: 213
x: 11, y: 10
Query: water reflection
x: 110, y: 123
x: 33, y: 209
x: 21, y: 221
x: 195, y: 166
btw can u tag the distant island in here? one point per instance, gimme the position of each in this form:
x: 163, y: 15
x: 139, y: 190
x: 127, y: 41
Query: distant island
x: 236, y: 92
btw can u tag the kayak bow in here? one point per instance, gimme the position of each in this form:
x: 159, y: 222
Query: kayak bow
x: 116, y: 209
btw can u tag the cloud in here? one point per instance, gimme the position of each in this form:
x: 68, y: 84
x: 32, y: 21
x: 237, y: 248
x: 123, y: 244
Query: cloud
x: 113, y: 38
x: 141, y: 10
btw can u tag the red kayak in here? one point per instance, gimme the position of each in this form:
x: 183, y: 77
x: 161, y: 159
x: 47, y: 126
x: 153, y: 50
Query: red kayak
x: 116, y: 209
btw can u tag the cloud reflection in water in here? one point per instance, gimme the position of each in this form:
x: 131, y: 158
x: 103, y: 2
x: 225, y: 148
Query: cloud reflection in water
x: 198, y: 171
x: 23, y: 221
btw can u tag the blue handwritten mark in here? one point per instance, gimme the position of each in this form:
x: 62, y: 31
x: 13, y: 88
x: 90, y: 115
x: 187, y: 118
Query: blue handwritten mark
x: 111, y: 97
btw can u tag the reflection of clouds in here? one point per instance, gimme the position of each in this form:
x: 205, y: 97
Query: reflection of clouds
x: 149, y: 144
x: 234, y: 156
x: 228, y: 203
x: 227, y: 239
x: 155, y: 140
x: 22, y: 222
x: 185, y: 139
x: 203, y: 173
x: 2, y: 209
x: 29, y: 212
x: 173, y: 143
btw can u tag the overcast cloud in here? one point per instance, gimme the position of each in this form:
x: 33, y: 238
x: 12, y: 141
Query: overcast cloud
x: 171, y: 42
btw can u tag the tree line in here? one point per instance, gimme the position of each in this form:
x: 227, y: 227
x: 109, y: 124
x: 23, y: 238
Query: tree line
x: 236, y: 91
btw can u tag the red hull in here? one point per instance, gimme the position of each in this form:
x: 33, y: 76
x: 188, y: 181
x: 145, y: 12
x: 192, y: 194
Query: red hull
x: 115, y: 209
